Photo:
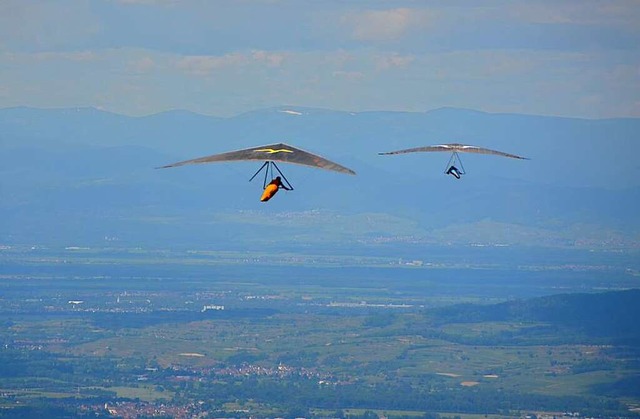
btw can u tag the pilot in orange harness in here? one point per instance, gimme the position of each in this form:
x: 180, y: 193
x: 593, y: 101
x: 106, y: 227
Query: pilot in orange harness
x: 271, y: 189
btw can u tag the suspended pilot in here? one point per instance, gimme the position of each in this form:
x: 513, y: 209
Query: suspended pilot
x: 271, y: 189
x: 453, y: 171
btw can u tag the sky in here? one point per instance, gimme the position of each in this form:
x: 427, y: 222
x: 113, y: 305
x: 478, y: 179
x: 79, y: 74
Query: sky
x: 574, y: 58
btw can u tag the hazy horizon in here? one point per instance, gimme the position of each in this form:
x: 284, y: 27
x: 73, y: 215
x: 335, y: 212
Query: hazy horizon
x: 139, y: 57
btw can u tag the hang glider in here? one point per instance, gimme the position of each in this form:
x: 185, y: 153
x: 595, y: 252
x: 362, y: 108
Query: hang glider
x: 454, y: 149
x: 270, y: 154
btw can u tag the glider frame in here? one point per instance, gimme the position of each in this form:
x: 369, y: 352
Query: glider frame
x: 453, y: 160
x: 268, y: 167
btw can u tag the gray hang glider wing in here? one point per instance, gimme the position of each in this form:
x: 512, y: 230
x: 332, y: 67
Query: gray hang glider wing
x: 456, y: 148
x: 279, y: 152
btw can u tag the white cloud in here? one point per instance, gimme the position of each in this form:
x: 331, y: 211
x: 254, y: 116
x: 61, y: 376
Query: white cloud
x: 339, y: 59
x: 394, y: 61
x: 269, y: 58
x: 384, y: 25
x: 143, y: 65
x: 348, y: 75
x: 39, y: 25
x: 77, y: 56
x: 149, y: 2
x: 205, y: 65
x: 584, y: 12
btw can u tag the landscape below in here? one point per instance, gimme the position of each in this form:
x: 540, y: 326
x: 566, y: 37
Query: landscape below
x: 453, y: 332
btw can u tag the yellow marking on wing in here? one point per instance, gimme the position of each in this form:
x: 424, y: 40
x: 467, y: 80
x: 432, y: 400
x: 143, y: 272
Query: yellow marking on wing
x: 272, y: 151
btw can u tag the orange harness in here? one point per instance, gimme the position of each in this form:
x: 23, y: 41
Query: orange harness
x: 269, y: 192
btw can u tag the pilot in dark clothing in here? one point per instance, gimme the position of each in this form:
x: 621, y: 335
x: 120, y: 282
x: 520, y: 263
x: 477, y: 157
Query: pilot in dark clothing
x: 453, y: 171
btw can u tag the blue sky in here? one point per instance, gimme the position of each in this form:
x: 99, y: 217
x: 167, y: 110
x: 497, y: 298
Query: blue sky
x: 136, y: 57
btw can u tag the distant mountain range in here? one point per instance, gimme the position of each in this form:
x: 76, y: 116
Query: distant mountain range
x: 84, y: 174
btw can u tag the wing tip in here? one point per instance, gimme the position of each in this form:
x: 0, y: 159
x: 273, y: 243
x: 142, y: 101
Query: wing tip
x: 166, y: 166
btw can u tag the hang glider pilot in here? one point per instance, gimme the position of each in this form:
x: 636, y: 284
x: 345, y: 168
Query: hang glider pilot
x: 456, y: 148
x: 271, y: 189
x: 453, y: 171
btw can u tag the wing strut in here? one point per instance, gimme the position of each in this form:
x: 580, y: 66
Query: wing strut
x: 268, y: 167
x: 455, y: 160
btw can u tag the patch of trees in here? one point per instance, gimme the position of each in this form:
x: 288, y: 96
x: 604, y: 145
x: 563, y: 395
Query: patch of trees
x: 626, y: 387
x: 50, y: 372
x: 308, y: 393
x: 605, y: 317
x: 115, y: 321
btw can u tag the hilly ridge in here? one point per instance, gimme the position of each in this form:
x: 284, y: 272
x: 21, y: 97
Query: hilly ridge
x: 597, y: 318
